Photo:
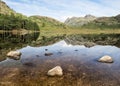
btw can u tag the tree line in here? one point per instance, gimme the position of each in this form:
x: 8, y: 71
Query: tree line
x: 16, y: 21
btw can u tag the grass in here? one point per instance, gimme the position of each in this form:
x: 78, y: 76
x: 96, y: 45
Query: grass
x: 68, y: 31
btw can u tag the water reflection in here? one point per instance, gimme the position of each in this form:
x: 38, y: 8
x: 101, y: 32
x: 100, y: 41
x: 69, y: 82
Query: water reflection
x: 90, y: 40
x: 79, y: 63
x: 15, y: 40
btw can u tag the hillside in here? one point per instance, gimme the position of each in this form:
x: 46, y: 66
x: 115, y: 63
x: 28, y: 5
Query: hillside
x: 5, y: 9
x: 10, y: 20
x: 47, y: 22
x: 94, y: 22
x: 105, y: 22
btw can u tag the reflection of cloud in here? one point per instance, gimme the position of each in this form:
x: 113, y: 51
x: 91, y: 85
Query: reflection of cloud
x: 65, y: 44
x: 62, y: 44
x: 61, y: 9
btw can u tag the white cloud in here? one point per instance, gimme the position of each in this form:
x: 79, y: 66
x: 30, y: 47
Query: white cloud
x: 61, y: 9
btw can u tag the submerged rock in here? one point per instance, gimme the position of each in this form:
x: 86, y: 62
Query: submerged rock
x: 106, y: 59
x: 14, y: 55
x: 48, y: 54
x: 56, y: 71
x: 89, y: 44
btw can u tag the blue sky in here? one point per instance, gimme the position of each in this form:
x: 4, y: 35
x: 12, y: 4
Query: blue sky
x: 62, y: 9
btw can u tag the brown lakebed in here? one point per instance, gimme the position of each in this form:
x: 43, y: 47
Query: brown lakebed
x: 79, y: 63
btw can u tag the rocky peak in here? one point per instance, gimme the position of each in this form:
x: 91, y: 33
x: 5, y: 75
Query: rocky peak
x: 89, y: 16
x: 117, y: 18
x: 79, y: 21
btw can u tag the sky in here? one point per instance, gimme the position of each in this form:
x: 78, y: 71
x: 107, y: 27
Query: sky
x: 62, y: 9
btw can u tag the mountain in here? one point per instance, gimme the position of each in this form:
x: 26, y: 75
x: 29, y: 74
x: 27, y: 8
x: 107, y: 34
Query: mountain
x: 90, y: 21
x: 79, y: 21
x: 105, y: 22
x: 9, y: 20
x: 47, y: 22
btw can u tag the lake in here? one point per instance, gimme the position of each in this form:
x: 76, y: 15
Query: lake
x: 76, y: 54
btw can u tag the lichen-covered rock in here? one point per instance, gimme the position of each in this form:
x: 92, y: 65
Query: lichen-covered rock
x: 56, y: 71
x: 106, y: 59
x: 14, y: 55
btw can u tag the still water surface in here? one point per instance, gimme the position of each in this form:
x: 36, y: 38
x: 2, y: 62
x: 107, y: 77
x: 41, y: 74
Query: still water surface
x: 79, y: 63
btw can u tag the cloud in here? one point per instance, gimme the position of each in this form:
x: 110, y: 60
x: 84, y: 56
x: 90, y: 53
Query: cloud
x: 61, y: 9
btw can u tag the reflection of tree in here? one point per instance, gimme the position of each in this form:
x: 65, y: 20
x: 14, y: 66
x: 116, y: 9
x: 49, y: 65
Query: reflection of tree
x: 16, y: 39
x: 9, y: 41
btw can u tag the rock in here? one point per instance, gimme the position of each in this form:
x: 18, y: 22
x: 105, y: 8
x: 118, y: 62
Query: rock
x: 48, y: 54
x: 89, y: 44
x: 76, y: 50
x: 14, y: 55
x: 106, y: 59
x: 56, y: 71
x: 46, y: 49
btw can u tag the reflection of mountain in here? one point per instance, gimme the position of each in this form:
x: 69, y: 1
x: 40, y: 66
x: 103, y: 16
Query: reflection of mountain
x: 10, y: 41
x: 93, y: 39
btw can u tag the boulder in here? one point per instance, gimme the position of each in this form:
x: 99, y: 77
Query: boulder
x: 56, y: 71
x: 106, y: 59
x: 14, y: 55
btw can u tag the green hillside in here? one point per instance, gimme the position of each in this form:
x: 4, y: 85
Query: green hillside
x: 47, y: 22
x: 10, y: 20
x: 4, y: 9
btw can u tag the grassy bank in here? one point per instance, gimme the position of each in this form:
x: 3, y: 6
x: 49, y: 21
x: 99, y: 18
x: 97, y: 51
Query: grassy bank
x: 68, y: 31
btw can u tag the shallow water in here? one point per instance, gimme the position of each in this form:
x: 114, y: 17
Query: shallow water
x: 79, y: 63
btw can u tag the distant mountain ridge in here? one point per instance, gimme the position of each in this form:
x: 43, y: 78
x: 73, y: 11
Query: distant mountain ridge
x: 90, y: 21
x: 79, y: 21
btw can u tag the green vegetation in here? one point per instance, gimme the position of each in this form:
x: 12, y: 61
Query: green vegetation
x: 11, y: 22
x: 47, y: 22
x: 4, y: 9
x: 68, y: 31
